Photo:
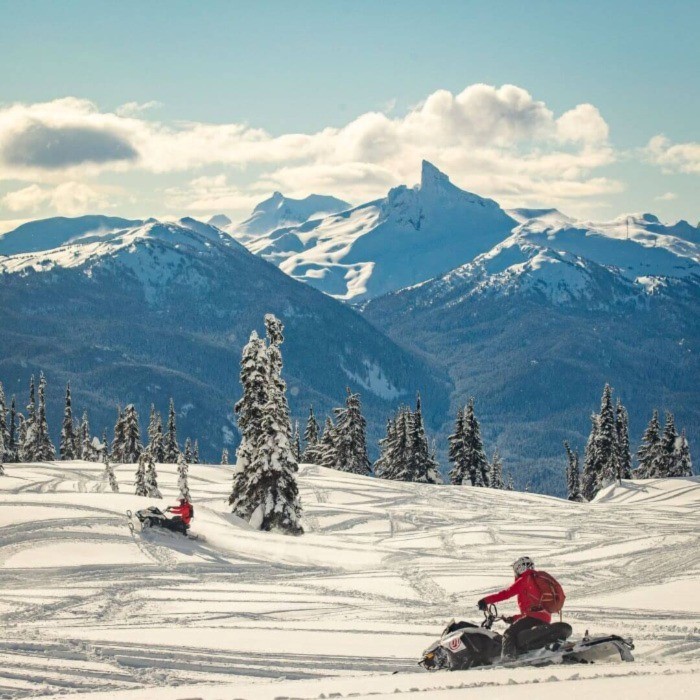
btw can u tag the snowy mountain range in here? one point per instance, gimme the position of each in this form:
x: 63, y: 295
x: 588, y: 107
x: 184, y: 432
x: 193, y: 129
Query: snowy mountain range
x: 277, y: 212
x: 528, y: 310
x: 141, y: 313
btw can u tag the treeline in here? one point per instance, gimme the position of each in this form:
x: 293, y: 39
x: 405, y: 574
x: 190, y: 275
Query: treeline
x: 26, y: 438
x: 608, y: 458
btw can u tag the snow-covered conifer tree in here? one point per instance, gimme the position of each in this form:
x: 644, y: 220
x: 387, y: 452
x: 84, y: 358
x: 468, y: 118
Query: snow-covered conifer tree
x: 132, y: 435
x: 296, y: 443
x: 44, y: 450
x: 683, y: 461
x: 171, y: 449
x: 350, y: 441
x: 249, y: 411
x: 608, y: 466
x: 152, y: 490
x: 105, y: 449
x: 311, y: 437
x: 590, y: 478
x: 326, y: 445
x: 28, y: 445
x: 108, y: 474
x: 496, y: 471
x: 182, y: 481
x: 623, y: 441
x: 457, y: 456
x: 385, y: 449
x: 87, y: 451
x: 195, y: 452
x: 12, y: 448
x: 155, y: 435
x: 188, y: 451
x: 666, y: 463
x: 474, y: 464
x: 510, y: 486
x: 650, y: 451
x: 21, y: 437
x: 422, y: 466
x: 118, y: 443
x: 573, y: 477
x: 395, y: 457
x: 271, y: 487
x: 4, y: 431
x: 140, y: 483
x: 67, y: 446
x: 224, y: 456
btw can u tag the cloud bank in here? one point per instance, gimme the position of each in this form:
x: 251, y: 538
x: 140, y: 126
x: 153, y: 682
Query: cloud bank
x: 498, y: 141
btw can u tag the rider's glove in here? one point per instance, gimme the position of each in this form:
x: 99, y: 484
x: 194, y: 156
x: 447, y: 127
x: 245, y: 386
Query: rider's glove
x: 508, y: 620
x: 482, y: 604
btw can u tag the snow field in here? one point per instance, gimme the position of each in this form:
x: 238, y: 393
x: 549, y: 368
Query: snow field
x: 88, y: 607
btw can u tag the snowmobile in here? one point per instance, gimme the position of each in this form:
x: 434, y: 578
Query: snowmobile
x: 154, y: 517
x: 464, y: 645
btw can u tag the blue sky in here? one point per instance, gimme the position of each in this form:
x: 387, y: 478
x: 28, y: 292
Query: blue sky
x: 192, y: 108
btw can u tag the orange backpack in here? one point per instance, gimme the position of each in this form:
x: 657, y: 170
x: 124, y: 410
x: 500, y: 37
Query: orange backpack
x: 552, y: 595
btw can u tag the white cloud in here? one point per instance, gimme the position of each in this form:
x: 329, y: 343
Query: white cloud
x: 210, y: 194
x: 130, y: 109
x: 68, y: 199
x: 678, y: 157
x: 667, y: 197
x: 496, y: 141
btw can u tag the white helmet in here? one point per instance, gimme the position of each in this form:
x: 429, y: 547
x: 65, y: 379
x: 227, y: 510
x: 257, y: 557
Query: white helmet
x: 520, y: 566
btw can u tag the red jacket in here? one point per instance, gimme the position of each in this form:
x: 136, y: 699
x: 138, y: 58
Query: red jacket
x: 528, y: 598
x: 184, y: 511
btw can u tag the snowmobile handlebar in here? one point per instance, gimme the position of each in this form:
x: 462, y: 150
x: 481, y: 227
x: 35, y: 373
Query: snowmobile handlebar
x: 491, y: 615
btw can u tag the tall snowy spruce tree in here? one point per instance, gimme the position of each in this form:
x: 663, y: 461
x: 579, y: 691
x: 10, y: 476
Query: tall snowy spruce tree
x: 155, y: 436
x: 608, y: 465
x: 265, y: 490
x: 296, y: 443
x: 573, y: 476
x: 350, y: 437
x: 38, y: 443
x: 12, y: 448
x: 118, y: 443
x: 326, y: 445
x: 649, y: 453
x: 132, y: 435
x: 589, y: 480
x: 422, y: 466
x: 224, y: 458
x: 311, y: 437
x: 666, y: 464
x: 623, y: 441
x: 27, y: 445
x: 67, y: 445
x: 188, y: 451
x: 87, y: 450
x: 182, y: 477
x: 171, y: 449
x: 4, y: 430
x: 467, y: 450
x: 195, y: 452
x: 684, y: 463
x: 496, y: 471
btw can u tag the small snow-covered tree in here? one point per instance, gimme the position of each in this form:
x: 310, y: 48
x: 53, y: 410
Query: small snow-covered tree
x: 385, y: 449
x: 188, y: 451
x: 132, y: 435
x: 421, y: 463
x: 140, y: 483
x: 28, y: 436
x: 224, y: 456
x: 12, y: 448
x: 683, y: 461
x: 649, y: 452
x: 4, y: 431
x: 152, y: 490
x: 182, y: 480
x: 666, y: 462
x: 67, y: 446
x: 589, y: 480
x: 87, y: 450
x: 311, y: 437
x: 623, y: 442
x: 350, y: 437
x: 44, y: 450
x: 510, y: 486
x: 108, y: 474
x: 21, y: 437
x: 573, y: 477
x: 119, y: 441
x: 496, y: 471
x: 296, y: 443
x: 457, y: 456
x: 155, y: 435
x: 326, y: 445
x: 393, y: 463
x: 469, y: 448
x: 195, y: 452
x: 171, y: 449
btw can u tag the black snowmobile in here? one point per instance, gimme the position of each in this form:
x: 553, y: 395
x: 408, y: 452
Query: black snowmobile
x: 154, y: 517
x: 464, y: 645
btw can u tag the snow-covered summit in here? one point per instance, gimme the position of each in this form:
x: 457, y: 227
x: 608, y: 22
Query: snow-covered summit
x: 279, y: 211
x: 412, y: 234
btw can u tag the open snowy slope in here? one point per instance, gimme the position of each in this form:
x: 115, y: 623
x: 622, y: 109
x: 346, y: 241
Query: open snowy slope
x: 87, y: 606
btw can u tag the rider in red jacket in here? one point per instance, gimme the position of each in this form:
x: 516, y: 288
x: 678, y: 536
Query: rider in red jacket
x: 183, y: 514
x: 531, y: 614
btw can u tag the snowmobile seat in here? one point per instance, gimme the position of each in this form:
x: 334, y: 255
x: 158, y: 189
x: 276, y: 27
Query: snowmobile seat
x: 542, y: 635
